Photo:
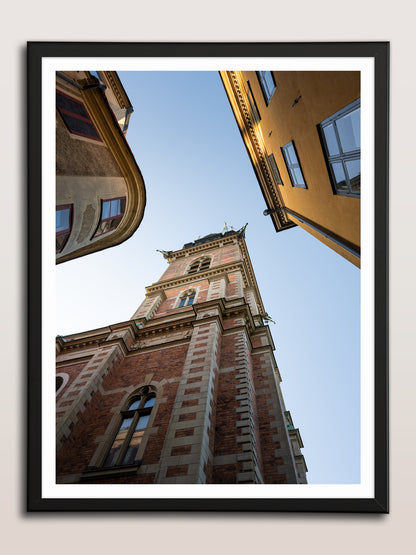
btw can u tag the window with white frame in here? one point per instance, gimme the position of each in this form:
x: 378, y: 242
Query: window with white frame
x: 290, y: 156
x: 267, y: 84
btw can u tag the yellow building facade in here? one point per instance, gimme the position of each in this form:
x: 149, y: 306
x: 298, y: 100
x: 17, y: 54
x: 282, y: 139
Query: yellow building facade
x: 302, y: 133
x: 100, y: 192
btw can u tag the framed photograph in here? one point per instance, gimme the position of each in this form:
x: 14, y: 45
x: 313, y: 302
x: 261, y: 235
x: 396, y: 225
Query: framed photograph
x: 208, y: 324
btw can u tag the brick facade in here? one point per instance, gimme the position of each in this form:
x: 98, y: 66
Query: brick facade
x: 218, y: 414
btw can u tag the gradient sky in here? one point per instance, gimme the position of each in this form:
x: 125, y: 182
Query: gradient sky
x: 197, y: 176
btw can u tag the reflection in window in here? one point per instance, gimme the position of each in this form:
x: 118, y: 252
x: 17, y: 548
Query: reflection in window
x: 187, y: 299
x: 267, y: 83
x: 63, y: 225
x: 293, y: 166
x: 112, y: 212
x: 126, y: 443
x: 340, y: 136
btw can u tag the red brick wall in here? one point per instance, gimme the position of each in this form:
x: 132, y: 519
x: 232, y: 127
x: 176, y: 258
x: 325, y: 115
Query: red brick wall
x: 73, y: 370
x: 77, y: 450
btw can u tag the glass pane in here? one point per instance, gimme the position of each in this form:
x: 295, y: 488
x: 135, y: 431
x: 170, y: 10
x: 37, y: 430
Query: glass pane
x: 331, y: 140
x: 115, y: 209
x: 349, y: 131
x: 62, y: 219
x: 354, y: 173
x: 290, y: 154
x: 133, y: 447
x: 183, y: 301
x: 268, y: 77
x: 298, y: 177
x: 150, y: 402
x: 111, y: 458
x: 191, y: 300
x: 135, y: 404
x: 339, y: 175
x: 142, y: 422
x: 106, y: 209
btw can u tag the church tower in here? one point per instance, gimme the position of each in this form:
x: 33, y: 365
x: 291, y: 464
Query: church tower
x: 187, y: 390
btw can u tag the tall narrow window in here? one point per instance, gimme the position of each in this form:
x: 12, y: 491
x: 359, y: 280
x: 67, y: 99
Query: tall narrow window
x: 112, y: 212
x: 293, y: 166
x: 275, y: 171
x: 252, y: 102
x: 186, y: 299
x: 126, y: 443
x: 76, y: 117
x: 267, y: 84
x: 199, y: 265
x: 340, y: 136
x: 63, y: 225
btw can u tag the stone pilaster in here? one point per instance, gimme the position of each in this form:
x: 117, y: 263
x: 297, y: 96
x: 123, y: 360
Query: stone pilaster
x: 217, y: 286
x: 149, y: 306
x: 245, y: 413
x: 187, y: 454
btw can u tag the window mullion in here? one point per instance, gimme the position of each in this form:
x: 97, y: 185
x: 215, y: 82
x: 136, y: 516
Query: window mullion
x: 128, y: 436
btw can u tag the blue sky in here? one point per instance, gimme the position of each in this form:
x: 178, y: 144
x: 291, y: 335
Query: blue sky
x: 198, y: 176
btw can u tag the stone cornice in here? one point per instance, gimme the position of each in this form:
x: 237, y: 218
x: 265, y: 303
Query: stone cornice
x: 113, y: 81
x: 203, y: 247
x: 254, y: 142
x: 209, y: 274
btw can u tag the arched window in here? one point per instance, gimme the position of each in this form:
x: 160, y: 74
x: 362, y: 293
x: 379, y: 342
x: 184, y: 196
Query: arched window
x: 126, y: 443
x: 199, y: 265
x: 61, y: 381
x: 187, y: 298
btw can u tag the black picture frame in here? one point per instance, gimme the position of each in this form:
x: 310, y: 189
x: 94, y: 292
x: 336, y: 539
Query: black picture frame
x: 36, y: 52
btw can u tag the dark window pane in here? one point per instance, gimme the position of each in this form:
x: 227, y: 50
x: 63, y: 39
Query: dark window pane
x: 65, y: 103
x: 331, y: 140
x: 339, y: 175
x: 133, y: 447
x: 354, y: 171
x: 349, y: 131
x: 183, y: 301
x: 191, y: 299
x: 59, y: 382
x: 275, y: 170
x: 80, y: 126
x: 61, y: 241
x: 120, y: 438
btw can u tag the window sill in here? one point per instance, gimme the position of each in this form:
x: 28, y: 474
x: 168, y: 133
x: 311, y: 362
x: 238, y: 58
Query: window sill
x: 110, y: 471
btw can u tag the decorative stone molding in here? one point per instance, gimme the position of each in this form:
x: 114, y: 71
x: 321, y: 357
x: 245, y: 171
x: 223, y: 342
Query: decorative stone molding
x: 254, y: 142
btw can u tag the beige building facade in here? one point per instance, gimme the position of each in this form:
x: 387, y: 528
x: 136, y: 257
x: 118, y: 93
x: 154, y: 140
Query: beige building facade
x: 100, y: 192
x: 301, y: 130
